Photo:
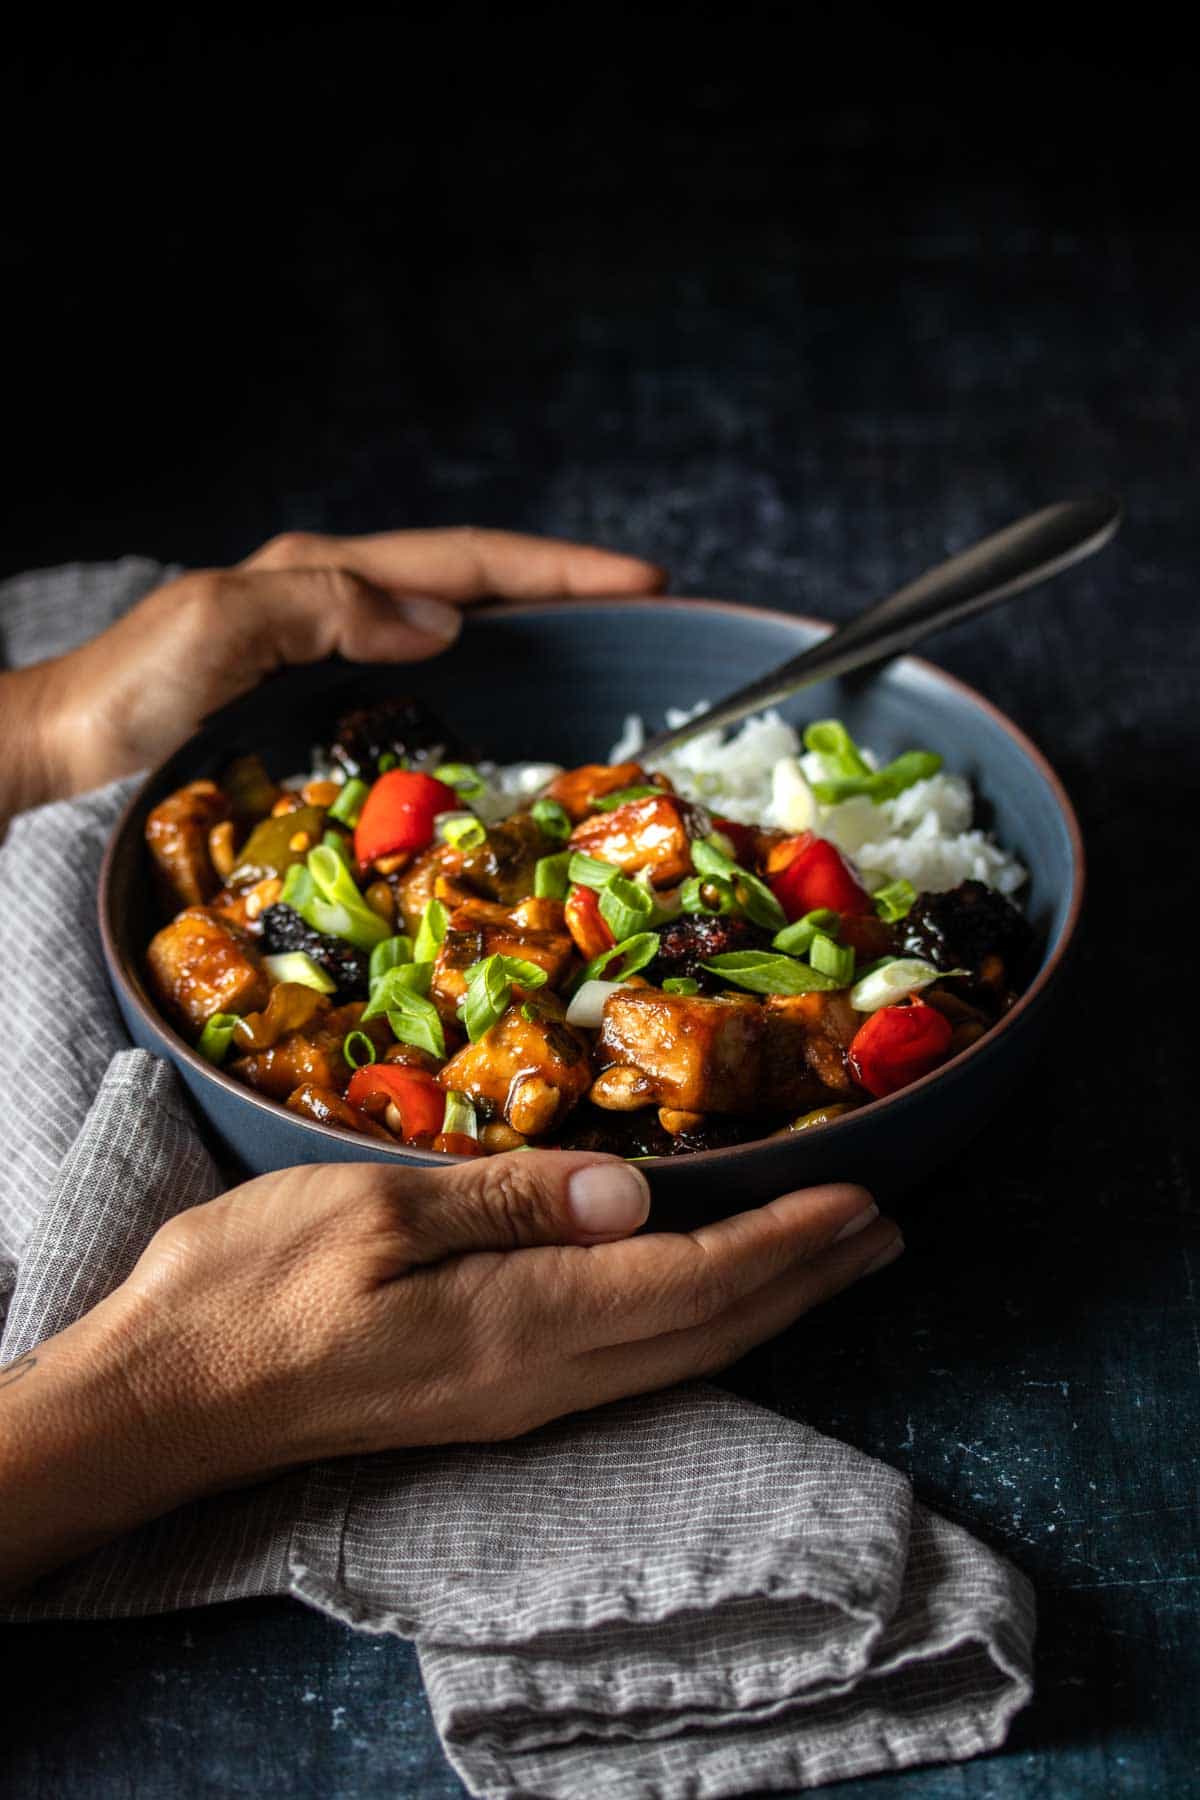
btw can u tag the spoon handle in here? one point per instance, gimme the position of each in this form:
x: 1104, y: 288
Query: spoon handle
x: 995, y: 569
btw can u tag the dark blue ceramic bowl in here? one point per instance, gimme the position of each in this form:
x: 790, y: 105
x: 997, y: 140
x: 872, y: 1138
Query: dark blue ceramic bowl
x: 555, y: 683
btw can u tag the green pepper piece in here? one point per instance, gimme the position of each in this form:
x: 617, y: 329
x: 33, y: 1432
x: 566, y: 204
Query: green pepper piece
x: 268, y: 850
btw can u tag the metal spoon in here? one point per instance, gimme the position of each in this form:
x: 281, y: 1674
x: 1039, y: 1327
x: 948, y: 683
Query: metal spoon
x: 995, y: 569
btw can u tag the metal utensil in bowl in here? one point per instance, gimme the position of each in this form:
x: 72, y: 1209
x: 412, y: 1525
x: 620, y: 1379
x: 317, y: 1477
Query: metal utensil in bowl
x: 997, y: 568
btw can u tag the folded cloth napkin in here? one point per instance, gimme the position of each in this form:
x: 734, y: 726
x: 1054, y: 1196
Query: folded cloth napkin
x: 674, y: 1598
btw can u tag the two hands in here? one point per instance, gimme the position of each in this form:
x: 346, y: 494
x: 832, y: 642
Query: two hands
x: 343, y: 1308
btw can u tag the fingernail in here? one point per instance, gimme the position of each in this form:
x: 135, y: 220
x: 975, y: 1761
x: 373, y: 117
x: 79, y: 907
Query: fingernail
x: 432, y: 618
x: 894, y: 1249
x: 608, y: 1197
x: 858, y: 1223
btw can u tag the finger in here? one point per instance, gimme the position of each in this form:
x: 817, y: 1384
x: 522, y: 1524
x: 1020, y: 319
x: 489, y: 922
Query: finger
x: 639, y: 1368
x: 265, y: 618
x: 467, y: 563
x: 670, y: 1282
x: 525, y: 1198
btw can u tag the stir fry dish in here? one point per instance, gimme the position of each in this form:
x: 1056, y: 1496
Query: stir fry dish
x: 433, y: 953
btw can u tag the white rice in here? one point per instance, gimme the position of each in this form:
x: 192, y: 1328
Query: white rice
x: 925, y: 835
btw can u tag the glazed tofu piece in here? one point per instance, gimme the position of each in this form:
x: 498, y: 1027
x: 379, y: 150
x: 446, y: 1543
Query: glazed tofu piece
x: 469, y: 938
x: 807, y: 1036
x: 577, y: 790
x: 327, y: 1107
x: 654, y: 834
x: 417, y: 886
x: 202, y: 963
x: 529, y: 1070
x: 312, y: 1054
x: 689, y: 1052
x: 177, y: 836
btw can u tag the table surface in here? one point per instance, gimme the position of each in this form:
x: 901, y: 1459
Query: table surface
x: 796, y: 352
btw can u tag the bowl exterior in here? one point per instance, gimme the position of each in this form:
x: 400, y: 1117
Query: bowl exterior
x: 543, y: 683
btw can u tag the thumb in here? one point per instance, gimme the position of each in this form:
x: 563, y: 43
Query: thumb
x: 527, y: 1197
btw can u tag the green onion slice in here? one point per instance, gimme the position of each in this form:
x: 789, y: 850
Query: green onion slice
x: 430, y: 932
x: 214, y: 1041
x: 757, y: 901
x: 880, y: 784
x: 634, y: 953
x: 389, y: 760
x: 466, y: 781
x: 795, y: 939
x: 358, y: 1049
x: 338, y: 842
x: 550, y: 878
x: 551, y: 819
x: 461, y: 830
x: 413, y: 1018
x: 298, y: 966
x: 622, y: 797
x: 625, y: 906
x: 337, y: 907
x: 709, y: 859
x: 460, y: 1115
x: 830, y: 740
x: 895, y: 900
x: 895, y: 980
x: 836, y: 960
x: 389, y: 955
x: 589, y: 871
x: 707, y: 894
x: 766, y: 972
x: 298, y: 890
x: 348, y: 806
x: 489, y: 990
x: 680, y: 984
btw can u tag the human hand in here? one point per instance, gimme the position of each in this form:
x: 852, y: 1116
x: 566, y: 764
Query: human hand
x: 341, y: 1308
x: 133, y: 694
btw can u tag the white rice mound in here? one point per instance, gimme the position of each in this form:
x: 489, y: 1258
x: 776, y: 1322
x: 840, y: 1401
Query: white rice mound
x: 925, y: 835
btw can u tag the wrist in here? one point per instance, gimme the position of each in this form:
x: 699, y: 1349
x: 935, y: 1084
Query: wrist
x: 36, y: 767
x: 92, y: 1445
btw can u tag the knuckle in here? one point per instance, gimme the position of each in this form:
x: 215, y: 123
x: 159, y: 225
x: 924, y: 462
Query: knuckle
x: 289, y: 549
x: 202, y: 591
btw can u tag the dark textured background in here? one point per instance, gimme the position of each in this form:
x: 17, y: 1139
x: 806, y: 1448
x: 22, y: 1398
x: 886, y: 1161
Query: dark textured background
x: 793, y: 312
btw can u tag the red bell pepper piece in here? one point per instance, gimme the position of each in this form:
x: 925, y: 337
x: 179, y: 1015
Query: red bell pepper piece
x: 418, y: 1098
x: 398, y: 814
x: 898, y: 1044
x: 585, y: 922
x: 815, y: 876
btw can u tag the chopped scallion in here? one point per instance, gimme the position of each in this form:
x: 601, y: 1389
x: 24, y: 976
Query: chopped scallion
x: 628, y: 957
x: 461, y: 830
x: 349, y: 803
x: 625, y: 907
x: 337, y: 907
x: 551, y: 820
x: 622, y: 797
x: 706, y: 894
x: 550, y: 878
x: 766, y: 972
x: 895, y: 900
x: 836, y: 960
x: 413, y: 1018
x: 895, y: 980
x: 880, y: 784
x: 389, y: 955
x: 430, y: 932
x: 358, y: 1049
x: 466, y: 781
x: 589, y: 871
x: 460, y: 1115
x: 829, y: 739
x: 215, y: 1039
x: 299, y: 967
x: 680, y: 984
x: 489, y: 990
x: 795, y: 939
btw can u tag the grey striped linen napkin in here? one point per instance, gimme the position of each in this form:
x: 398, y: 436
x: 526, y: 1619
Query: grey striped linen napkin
x: 676, y: 1598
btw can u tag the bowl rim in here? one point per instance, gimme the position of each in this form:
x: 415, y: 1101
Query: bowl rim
x: 408, y: 1156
